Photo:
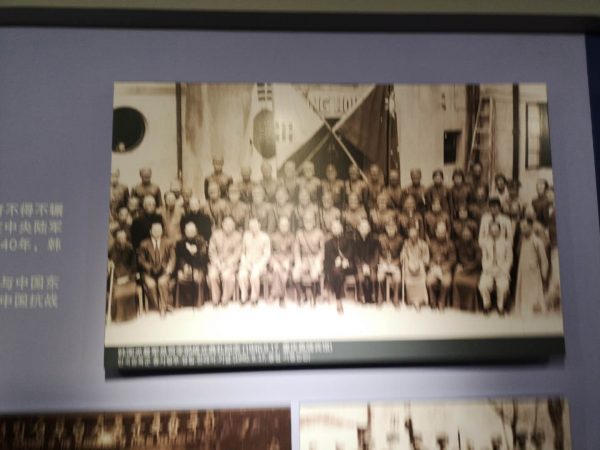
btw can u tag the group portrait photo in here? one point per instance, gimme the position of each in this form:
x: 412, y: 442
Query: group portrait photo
x: 274, y: 212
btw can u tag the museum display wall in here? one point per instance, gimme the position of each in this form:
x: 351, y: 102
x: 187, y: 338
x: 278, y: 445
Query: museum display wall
x: 56, y: 87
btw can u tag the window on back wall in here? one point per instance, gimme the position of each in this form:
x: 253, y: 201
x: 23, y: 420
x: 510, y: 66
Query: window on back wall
x: 538, y: 137
x: 451, y: 140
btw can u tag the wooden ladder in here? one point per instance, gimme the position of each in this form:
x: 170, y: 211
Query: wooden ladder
x: 482, y: 142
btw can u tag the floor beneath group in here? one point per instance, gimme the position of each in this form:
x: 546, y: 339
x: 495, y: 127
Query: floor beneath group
x: 272, y: 322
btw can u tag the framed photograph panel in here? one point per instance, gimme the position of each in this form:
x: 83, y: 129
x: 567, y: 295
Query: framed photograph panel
x: 276, y: 224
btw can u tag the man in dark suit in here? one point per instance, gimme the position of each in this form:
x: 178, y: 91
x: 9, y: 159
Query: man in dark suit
x: 199, y: 217
x: 140, y: 226
x: 338, y: 261
x: 156, y: 257
x: 191, y: 254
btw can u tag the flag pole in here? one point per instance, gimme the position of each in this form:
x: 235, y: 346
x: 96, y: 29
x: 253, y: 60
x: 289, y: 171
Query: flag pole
x: 330, y: 129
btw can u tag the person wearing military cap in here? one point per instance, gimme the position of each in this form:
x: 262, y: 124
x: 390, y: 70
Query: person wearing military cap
x: 147, y: 187
x: 215, y: 207
x: 282, y: 258
x: 355, y: 184
x: 262, y: 211
x: 309, y: 181
x: 268, y: 182
x: 237, y: 209
x: 218, y: 176
x: 333, y: 186
x: 394, y: 190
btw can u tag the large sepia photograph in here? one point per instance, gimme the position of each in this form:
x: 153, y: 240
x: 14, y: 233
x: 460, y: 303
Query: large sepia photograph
x: 235, y: 429
x: 273, y: 223
x: 486, y: 424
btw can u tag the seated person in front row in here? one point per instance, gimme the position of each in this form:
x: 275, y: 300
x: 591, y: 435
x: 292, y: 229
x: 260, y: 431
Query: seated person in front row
x: 156, y: 258
x: 442, y: 254
x: 124, y: 299
x: 366, y: 256
x: 468, y: 269
x: 338, y: 261
x: 414, y: 259
x: 256, y: 252
x: 496, y: 261
x: 390, y: 246
x: 191, y: 254
x: 224, y: 251
x: 308, y: 258
x: 282, y: 258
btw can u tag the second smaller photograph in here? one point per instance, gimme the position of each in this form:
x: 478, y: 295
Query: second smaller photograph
x: 482, y: 424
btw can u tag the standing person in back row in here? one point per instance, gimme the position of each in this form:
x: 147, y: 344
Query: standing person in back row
x: 218, y: 176
x: 147, y: 187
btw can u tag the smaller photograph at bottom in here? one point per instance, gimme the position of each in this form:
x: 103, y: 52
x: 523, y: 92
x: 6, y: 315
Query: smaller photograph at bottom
x: 233, y: 429
x: 485, y: 424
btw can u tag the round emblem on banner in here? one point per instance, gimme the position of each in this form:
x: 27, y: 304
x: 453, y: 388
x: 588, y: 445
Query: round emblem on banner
x: 264, y: 133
